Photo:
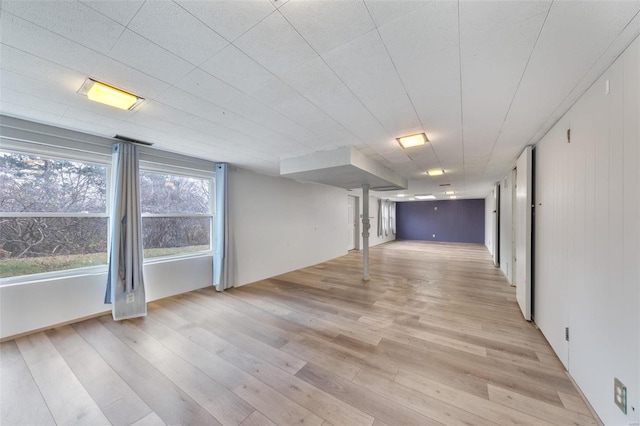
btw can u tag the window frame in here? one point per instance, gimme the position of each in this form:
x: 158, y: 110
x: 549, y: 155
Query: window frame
x: 153, y: 167
x: 51, y: 141
x: 72, y: 272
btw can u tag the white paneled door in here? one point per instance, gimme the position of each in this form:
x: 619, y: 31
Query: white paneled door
x: 352, y: 223
x: 522, y: 225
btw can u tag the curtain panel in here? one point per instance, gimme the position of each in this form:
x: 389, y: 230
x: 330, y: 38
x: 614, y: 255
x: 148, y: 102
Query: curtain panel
x: 221, y: 252
x: 125, y: 281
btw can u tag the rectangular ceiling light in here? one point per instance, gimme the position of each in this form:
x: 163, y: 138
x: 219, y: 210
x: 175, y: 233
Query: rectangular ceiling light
x: 435, y: 172
x: 109, y: 95
x: 453, y: 197
x: 450, y: 192
x: 412, y: 140
x: 425, y: 197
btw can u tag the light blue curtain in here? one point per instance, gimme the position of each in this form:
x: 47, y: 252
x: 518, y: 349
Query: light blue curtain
x: 392, y: 217
x: 125, y: 282
x: 379, y: 217
x: 221, y: 252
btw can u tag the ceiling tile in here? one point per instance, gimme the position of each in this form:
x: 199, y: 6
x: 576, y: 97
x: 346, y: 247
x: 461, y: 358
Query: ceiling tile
x: 195, y: 42
x: 207, y: 87
x: 30, y: 38
x: 575, y: 35
x: 424, y: 32
x: 365, y: 67
x: 126, y: 78
x: 41, y: 88
x: 121, y: 11
x: 287, y: 101
x: 316, y: 82
x: 24, y: 100
x: 490, y: 76
x: 275, y: 45
x: 28, y: 65
x: 230, y: 19
x: 147, y: 57
x: 384, y: 11
x: 72, y: 20
x: 326, y: 24
x: 45, y: 116
x: 237, y: 69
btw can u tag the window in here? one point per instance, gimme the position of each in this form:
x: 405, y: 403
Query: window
x: 176, y: 213
x: 53, y: 214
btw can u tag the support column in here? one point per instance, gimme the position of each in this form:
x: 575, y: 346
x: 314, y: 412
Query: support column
x: 365, y: 232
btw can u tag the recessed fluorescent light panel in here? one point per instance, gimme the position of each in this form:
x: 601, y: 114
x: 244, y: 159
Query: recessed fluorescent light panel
x: 450, y: 192
x: 109, y: 95
x: 453, y: 197
x: 425, y: 197
x: 435, y: 172
x: 401, y: 195
x: 412, y: 140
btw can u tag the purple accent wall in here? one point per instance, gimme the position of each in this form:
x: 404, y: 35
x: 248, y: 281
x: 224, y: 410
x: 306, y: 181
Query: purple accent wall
x: 459, y: 221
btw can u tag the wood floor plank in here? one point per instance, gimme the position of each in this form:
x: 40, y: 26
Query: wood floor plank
x: 151, y: 419
x: 220, y: 402
x: 21, y: 402
x: 197, y: 314
x: 536, y: 408
x: 120, y: 404
x: 435, y: 337
x: 257, y: 419
x: 480, y: 406
x: 431, y: 407
x: 168, y: 401
x: 317, y: 401
x: 68, y: 400
x: 203, y: 350
x: 359, y: 397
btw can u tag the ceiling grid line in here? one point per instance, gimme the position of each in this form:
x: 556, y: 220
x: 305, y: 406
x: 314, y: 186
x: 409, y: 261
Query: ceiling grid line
x: 515, y: 93
x: 604, y: 52
x: 236, y: 82
x: 336, y: 74
x: 404, y: 87
x: 464, y: 171
x: 232, y: 43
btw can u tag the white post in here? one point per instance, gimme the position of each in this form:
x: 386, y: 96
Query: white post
x: 365, y: 232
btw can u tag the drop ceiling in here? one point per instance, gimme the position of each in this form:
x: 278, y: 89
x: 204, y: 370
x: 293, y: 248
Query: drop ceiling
x: 254, y: 82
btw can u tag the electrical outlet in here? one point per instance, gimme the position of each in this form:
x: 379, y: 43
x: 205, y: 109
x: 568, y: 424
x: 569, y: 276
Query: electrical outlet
x: 620, y: 395
x: 131, y: 297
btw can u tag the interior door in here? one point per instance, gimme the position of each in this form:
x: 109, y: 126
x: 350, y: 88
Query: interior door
x: 352, y: 219
x: 496, y: 225
x: 522, y: 220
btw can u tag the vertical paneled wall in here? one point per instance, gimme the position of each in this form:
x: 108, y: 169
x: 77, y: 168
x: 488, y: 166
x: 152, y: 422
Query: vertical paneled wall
x: 460, y: 221
x: 489, y: 221
x: 588, y: 238
x: 506, y: 225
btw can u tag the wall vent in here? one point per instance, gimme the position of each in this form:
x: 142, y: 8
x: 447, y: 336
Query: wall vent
x: 131, y: 140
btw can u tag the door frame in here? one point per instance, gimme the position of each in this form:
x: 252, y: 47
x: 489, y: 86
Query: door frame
x: 356, y: 220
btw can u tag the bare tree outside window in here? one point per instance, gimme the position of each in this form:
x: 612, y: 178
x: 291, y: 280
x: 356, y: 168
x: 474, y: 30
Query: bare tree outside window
x: 53, y: 214
x: 176, y: 214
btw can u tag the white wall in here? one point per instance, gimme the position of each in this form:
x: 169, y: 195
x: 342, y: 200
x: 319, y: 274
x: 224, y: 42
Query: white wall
x: 506, y: 225
x: 489, y: 221
x: 38, y: 304
x: 279, y: 225
x: 588, y: 238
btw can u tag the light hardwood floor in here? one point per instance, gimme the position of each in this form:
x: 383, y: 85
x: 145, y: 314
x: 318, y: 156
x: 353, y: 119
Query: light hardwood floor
x: 435, y: 337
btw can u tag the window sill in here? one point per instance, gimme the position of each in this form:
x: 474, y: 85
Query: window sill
x: 92, y: 270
